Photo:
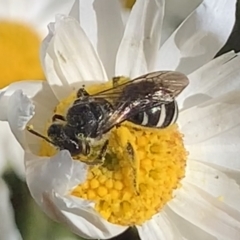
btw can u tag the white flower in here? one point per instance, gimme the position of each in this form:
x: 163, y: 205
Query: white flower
x: 207, y: 204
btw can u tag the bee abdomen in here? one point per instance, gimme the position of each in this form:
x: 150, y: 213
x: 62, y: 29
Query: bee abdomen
x: 157, y: 117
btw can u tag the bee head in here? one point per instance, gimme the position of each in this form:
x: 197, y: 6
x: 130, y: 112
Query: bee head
x: 66, y: 137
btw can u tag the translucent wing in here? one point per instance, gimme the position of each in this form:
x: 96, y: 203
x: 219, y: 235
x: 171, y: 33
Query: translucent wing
x: 169, y: 84
x: 142, y: 93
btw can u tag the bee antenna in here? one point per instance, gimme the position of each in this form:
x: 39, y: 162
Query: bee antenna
x: 39, y: 135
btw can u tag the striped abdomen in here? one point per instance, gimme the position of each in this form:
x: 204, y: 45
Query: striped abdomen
x: 157, y: 117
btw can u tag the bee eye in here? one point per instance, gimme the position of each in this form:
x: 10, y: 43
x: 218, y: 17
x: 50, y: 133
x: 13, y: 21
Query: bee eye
x: 64, y: 137
x: 70, y: 141
x: 55, y: 130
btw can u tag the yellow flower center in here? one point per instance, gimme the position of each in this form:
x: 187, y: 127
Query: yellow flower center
x: 19, y: 47
x: 125, y: 190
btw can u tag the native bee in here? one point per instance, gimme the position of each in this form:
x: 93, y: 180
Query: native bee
x: 148, y: 100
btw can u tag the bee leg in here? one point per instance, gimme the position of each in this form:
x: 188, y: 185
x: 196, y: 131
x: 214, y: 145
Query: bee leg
x: 115, y: 81
x: 81, y: 93
x: 58, y: 117
x: 101, y: 157
x: 103, y: 150
x: 134, y: 165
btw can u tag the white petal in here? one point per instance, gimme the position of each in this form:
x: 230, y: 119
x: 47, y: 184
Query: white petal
x: 215, y: 183
x: 222, y: 150
x: 102, y: 22
x: 8, y: 228
x: 45, y: 43
x: 70, y: 58
x: 153, y: 31
x: 231, y: 173
x: 21, y: 109
x: 88, y: 20
x: 131, y: 59
x: 43, y: 12
x: 84, y: 220
x: 30, y: 88
x: 186, y: 228
x: 66, y: 42
x: 199, y: 37
x: 217, y: 77
x: 11, y: 153
x: 75, y: 10
x: 175, y: 12
x: 159, y: 227
x: 59, y: 174
x: 141, y: 40
x: 210, y: 118
x: 125, y: 15
x: 190, y: 205
x: 50, y: 180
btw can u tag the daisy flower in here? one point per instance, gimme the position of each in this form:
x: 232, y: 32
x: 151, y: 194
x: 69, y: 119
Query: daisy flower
x: 187, y: 174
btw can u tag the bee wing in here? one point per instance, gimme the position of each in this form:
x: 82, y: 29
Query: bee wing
x: 169, y: 82
x: 172, y: 81
x: 127, y: 109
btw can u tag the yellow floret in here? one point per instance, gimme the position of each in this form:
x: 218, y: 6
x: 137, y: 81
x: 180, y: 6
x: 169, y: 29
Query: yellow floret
x: 102, y: 179
x: 94, y: 183
x: 114, y: 194
x: 91, y: 194
x: 135, y: 188
x: 102, y: 191
x: 118, y: 185
x: 109, y: 183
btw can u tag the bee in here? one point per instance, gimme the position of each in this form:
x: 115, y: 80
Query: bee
x: 148, y: 101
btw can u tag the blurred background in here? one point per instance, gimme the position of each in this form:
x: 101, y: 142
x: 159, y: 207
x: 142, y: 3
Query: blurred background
x: 19, y: 51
